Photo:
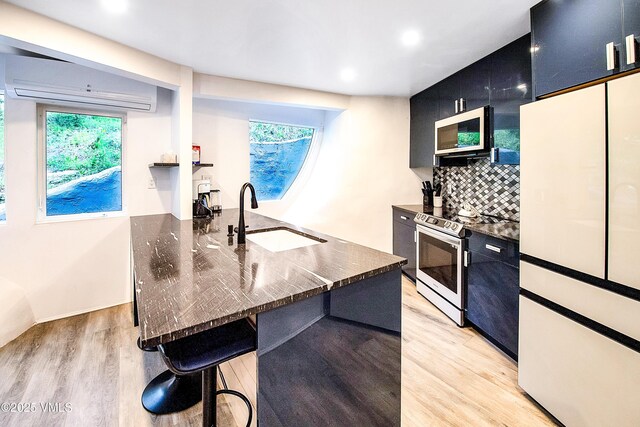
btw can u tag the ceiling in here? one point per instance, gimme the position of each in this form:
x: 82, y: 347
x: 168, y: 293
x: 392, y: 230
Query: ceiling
x: 345, y: 46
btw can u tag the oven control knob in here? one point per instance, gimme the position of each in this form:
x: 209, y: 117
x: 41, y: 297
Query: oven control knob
x: 446, y: 224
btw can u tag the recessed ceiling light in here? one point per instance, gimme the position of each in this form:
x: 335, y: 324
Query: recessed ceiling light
x: 410, y: 38
x: 115, y: 6
x: 348, y: 74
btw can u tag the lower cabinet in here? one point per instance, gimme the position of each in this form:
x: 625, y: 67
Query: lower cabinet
x: 492, y: 290
x: 404, y: 243
x: 582, y: 377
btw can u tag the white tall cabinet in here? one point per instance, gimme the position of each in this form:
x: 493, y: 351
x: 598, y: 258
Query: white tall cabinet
x: 624, y: 181
x: 579, y: 348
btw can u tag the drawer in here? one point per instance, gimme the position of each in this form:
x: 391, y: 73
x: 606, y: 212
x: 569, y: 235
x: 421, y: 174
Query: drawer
x: 582, y: 377
x: 492, y: 247
x: 608, y: 308
x: 404, y: 217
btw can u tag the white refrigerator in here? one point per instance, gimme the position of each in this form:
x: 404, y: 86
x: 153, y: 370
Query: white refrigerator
x: 579, y: 338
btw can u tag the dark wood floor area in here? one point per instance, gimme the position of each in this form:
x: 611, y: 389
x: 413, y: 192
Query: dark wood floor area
x: 343, y: 364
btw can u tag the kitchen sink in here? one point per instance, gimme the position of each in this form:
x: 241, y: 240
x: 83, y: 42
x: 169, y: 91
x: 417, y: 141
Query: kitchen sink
x: 282, y: 239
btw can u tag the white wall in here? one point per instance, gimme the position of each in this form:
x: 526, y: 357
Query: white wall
x: 71, y: 267
x: 361, y: 168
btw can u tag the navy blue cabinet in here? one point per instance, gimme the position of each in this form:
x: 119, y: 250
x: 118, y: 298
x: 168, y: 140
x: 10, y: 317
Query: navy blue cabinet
x: 424, y: 113
x: 510, y: 88
x: 492, y: 290
x: 569, y: 39
x: 475, y: 83
x: 501, y: 80
x: 404, y: 243
x: 448, y: 94
x: 631, y: 26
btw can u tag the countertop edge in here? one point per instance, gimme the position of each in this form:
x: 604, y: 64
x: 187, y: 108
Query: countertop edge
x: 470, y: 227
x: 160, y: 339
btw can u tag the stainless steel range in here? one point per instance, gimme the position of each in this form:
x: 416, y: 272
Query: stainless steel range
x: 441, y: 264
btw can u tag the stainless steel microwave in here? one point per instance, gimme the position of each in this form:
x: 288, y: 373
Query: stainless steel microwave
x: 463, y: 134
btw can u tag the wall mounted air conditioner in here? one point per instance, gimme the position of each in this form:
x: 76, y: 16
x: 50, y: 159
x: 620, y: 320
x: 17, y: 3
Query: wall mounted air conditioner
x: 56, y: 82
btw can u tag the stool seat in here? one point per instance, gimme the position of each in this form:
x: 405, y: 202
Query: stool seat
x: 210, y: 348
x: 203, y: 352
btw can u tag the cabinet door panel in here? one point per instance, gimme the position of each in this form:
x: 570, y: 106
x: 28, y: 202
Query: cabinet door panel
x: 624, y: 180
x: 492, y: 299
x: 404, y: 245
x: 581, y: 377
x: 570, y: 38
x: 510, y: 88
x: 562, y: 205
x: 424, y: 113
x: 448, y: 93
x: 475, y: 84
x: 630, y: 25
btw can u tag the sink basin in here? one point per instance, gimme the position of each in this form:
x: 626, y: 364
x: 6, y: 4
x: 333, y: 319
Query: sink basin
x: 282, y: 239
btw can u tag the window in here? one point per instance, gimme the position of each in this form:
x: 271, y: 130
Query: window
x: 3, y: 215
x: 277, y: 153
x: 81, y: 162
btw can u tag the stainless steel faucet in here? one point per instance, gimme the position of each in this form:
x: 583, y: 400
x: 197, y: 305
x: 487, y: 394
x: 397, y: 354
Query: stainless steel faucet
x: 254, y: 205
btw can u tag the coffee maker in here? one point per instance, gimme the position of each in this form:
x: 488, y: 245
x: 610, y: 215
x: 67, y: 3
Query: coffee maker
x: 201, y: 197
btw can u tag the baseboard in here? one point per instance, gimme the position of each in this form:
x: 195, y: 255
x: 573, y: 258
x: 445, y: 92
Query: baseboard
x: 83, y: 311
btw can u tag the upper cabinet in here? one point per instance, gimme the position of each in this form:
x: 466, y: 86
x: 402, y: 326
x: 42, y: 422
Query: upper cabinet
x: 501, y: 80
x: 510, y: 88
x: 631, y: 33
x: 578, y: 41
x: 475, y: 84
x: 424, y: 113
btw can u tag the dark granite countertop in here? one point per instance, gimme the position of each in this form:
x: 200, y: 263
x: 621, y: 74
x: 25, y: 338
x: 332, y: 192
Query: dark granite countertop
x: 190, y: 278
x: 500, y: 228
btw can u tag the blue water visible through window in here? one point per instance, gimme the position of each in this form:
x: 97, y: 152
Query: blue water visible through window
x: 83, y: 163
x: 277, y: 154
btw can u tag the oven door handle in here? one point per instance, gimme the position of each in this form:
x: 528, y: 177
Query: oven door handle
x: 440, y: 236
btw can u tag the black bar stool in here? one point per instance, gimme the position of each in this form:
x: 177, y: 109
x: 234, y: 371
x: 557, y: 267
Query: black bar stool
x: 203, y: 353
x: 168, y: 393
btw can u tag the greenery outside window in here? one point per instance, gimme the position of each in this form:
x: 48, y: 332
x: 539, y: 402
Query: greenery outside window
x: 80, y: 163
x: 3, y: 215
x: 277, y: 154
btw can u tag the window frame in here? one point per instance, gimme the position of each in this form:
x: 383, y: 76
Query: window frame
x: 4, y: 149
x: 309, y: 160
x: 41, y: 201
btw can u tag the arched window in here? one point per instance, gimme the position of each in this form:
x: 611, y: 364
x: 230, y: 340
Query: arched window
x: 278, y: 152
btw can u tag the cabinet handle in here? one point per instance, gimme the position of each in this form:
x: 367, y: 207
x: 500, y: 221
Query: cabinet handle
x: 415, y: 236
x: 630, y: 41
x: 611, y: 56
x: 467, y: 258
x: 463, y: 105
x: 403, y: 217
x: 493, y: 248
x: 456, y: 106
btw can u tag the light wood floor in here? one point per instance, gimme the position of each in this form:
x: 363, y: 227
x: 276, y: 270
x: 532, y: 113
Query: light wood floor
x: 450, y: 376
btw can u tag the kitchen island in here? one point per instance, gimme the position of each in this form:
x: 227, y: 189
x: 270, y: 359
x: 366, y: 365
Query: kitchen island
x: 327, y: 315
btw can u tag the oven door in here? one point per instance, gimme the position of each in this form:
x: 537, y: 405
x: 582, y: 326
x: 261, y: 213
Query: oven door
x: 440, y: 264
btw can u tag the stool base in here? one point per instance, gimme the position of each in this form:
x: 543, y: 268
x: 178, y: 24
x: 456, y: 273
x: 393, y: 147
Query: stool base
x: 168, y: 393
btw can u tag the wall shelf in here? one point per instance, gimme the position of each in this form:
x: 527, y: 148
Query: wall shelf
x: 163, y: 165
x: 175, y: 165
